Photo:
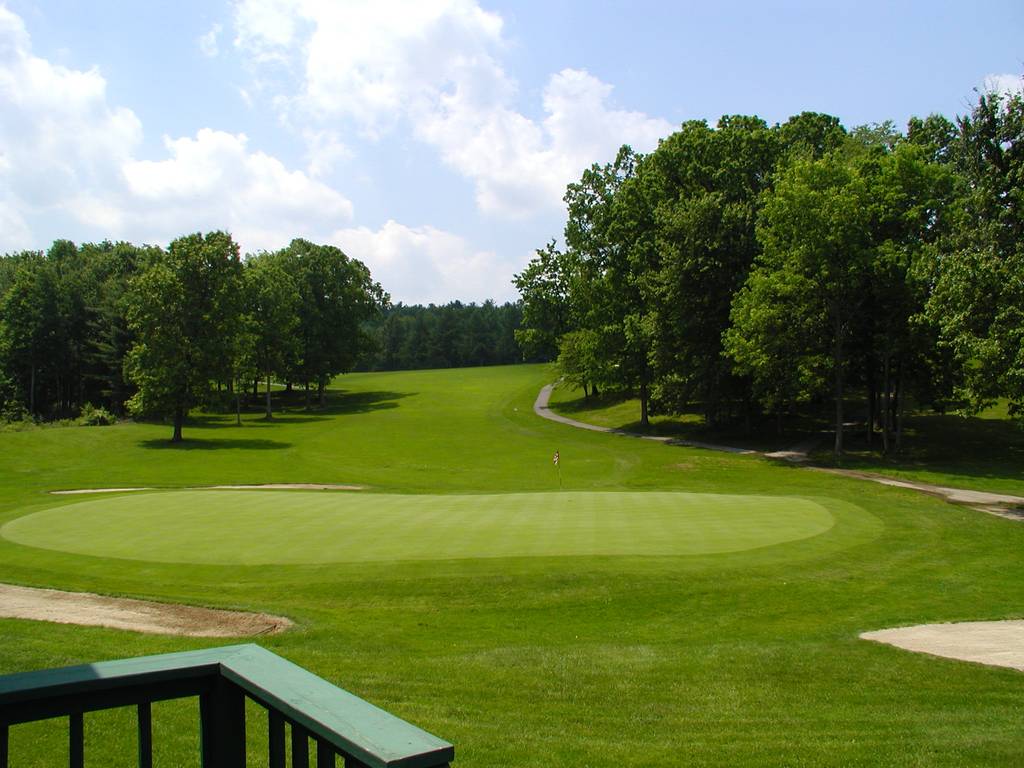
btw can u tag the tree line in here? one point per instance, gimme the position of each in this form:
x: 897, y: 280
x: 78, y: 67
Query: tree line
x: 747, y: 268
x: 157, y: 332
x: 453, y: 335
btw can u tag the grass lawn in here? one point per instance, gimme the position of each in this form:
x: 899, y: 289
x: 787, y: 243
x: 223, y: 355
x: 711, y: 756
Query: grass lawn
x: 293, y: 527
x: 669, y: 606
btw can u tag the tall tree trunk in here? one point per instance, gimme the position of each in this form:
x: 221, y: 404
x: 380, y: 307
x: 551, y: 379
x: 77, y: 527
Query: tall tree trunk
x: 644, y: 421
x: 887, y: 405
x: 32, y: 390
x: 307, y: 395
x: 321, y: 390
x: 899, y: 406
x: 837, y: 361
x: 179, y: 419
x: 871, y: 406
x: 270, y: 413
x: 238, y: 408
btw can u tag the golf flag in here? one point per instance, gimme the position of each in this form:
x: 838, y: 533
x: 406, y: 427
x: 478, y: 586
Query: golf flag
x: 554, y: 459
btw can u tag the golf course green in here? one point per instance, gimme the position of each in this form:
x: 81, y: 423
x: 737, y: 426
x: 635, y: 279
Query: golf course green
x: 283, y: 527
x: 668, y: 606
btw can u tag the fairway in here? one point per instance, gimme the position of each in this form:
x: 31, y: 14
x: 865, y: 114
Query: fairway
x: 292, y: 527
x: 668, y: 606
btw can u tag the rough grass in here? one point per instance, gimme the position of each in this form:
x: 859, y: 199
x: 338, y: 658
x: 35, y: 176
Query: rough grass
x: 741, y: 659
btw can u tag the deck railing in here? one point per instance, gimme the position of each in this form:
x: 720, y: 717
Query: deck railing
x: 339, y: 723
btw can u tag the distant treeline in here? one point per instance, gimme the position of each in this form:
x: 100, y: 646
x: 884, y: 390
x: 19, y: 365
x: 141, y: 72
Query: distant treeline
x: 453, y: 335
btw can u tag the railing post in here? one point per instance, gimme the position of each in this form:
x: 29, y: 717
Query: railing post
x: 300, y: 747
x: 145, y: 717
x: 324, y: 753
x: 76, y: 740
x: 275, y: 738
x: 222, y: 726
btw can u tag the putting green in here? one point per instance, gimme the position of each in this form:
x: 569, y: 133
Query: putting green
x: 292, y: 527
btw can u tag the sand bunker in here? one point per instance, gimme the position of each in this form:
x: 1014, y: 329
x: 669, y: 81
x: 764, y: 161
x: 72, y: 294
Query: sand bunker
x: 265, y: 486
x: 137, y: 615
x: 998, y: 643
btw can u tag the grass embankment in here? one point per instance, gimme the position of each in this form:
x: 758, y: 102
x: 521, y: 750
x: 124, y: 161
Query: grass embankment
x: 743, y: 658
x: 984, y: 452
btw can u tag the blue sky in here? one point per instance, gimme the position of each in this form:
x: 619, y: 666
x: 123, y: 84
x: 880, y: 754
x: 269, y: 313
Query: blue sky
x: 432, y: 139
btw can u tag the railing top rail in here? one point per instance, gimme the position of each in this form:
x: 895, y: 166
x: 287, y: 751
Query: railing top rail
x: 356, y: 727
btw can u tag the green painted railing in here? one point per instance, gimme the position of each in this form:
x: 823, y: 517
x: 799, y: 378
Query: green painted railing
x: 339, y: 723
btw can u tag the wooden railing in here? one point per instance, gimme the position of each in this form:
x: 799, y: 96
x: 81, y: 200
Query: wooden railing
x: 339, y: 723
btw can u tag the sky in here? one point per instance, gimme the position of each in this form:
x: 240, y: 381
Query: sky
x: 431, y: 139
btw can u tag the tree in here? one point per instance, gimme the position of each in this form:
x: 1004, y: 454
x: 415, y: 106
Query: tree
x: 544, y: 288
x: 815, y: 234
x: 978, y: 297
x: 184, y: 310
x: 704, y: 186
x: 337, y: 296
x: 30, y: 330
x: 610, y: 235
x: 273, y: 317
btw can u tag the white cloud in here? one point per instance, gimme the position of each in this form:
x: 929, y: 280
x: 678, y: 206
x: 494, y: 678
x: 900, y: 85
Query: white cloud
x: 214, y: 182
x: 1003, y: 84
x: 520, y: 166
x: 58, y: 136
x: 67, y: 156
x: 370, y: 60
x: 424, y: 264
x: 324, y: 150
x: 208, y: 42
x: 435, y: 64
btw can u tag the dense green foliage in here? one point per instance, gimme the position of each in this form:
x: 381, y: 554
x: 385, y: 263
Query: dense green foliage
x: 157, y: 331
x: 747, y: 266
x: 454, y: 335
x: 741, y: 659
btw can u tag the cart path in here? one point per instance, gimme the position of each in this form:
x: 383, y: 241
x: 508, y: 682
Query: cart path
x: 88, y: 609
x: 1000, y: 504
x: 541, y: 408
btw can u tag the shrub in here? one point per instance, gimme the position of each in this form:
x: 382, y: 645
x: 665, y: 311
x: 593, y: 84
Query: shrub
x: 93, y: 416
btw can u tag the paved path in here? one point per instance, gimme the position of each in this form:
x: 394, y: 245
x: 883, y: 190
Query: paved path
x: 1003, y: 505
x: 540, y: 407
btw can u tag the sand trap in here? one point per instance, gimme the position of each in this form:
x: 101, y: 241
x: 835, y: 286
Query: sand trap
x: 96, y: 490
x: 265, y: 486
x: 136, y: 615
x: 285, y: 487
x: 998, y: 643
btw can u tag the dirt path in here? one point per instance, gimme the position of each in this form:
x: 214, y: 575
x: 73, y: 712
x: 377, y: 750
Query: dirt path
x: 88, y: 609
x: 998, y: 643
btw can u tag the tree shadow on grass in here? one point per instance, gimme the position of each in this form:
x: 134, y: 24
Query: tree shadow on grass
x: 338, y: 402
x: 216, y: 444
x: 291, y: 409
